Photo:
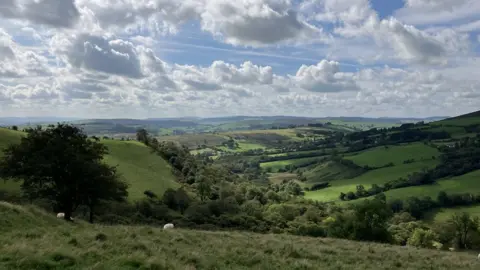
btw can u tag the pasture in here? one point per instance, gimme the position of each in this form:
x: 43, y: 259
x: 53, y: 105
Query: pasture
x: 276, y: 165
x: 460, y: 184
x: 397, y: 154
x: 34, y: 239
x: 378, y: 176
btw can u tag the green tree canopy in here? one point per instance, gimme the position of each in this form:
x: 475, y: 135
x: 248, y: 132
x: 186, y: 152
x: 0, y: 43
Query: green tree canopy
x: 63, y: 165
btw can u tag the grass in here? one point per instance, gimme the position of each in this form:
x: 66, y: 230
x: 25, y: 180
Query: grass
x: 379, y: 177
x: 330, y: 171
x: 277, y: 178
x: 469, y: 182
x: 444, y: 214
x: 380, y: 156
x: 34, y: 239
x: 139, y: 167
x: 276, y: 165
x: 192, y: 141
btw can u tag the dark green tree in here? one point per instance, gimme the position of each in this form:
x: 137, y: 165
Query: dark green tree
x: 142, y: 136
x: 63, y: 165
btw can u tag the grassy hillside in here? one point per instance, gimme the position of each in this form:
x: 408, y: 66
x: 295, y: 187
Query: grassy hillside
x: 29, y: 242
x: 469, y: 182
x: 276, y: 165
x: 379, y: 177
x: 139, y: 167
x: 379, y: 156
x: 329, y: 171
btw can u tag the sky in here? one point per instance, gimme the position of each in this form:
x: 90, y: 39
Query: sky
x: 204, y: 58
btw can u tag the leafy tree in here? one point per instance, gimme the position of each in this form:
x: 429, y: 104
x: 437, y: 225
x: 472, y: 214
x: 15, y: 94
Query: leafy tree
x: 142, y: 136
x: 370, y: 221
x: 463, y: 225
x: 422, y: 238
x: 14, y: 128
x: 63, y: 165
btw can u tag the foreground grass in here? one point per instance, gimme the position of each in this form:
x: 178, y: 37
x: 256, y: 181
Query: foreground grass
x: 380, y: 156
x: 379, y: 177
x: 35, y: 240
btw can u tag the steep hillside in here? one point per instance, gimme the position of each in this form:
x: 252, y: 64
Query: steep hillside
x: 139, y: 167
x: 31, y: 243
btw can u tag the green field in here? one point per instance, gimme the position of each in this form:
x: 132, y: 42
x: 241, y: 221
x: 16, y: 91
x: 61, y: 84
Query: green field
x: 329, y: 171
x: 276, y: 165
x: 379, y: 156
x: 469, y: 182
x: 34, y: 239
x: 379, y: 177
x: 319, y: 152
x: 192, y: 141
x: 446, y: 213
x: 463, y: 121
x: 140, y: 168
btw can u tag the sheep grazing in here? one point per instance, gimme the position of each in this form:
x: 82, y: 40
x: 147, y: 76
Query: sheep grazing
x: 168, y: 226
x: 62, y: 215
x: 451, y: 249
x: 478, y: 256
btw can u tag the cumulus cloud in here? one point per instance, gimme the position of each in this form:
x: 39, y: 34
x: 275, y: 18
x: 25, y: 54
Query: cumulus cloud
x: 18, y: 62
x: 56, y: 13
x: 256, y: 22
x: 422, y: 12
x: 324, y: 77
x: 357, y: 20
x: 113, y: 56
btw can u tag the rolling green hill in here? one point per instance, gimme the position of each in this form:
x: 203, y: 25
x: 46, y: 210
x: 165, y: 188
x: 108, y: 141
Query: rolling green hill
x: 397, y: 154
x: 140, y: 168
x: 378, y: 176
x: 33, y: 239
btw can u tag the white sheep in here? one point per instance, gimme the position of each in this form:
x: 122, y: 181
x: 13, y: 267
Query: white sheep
x: 62, y: 215
x: 168, y: 226
x: 451, y: 249
x: 478, y: 256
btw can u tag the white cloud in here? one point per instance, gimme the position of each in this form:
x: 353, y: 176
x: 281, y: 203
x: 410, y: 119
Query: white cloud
x: 256, y: 22
x: 423, y: 12
x: 324, y: 77
x: 56, y: 13
x: 108, y: 58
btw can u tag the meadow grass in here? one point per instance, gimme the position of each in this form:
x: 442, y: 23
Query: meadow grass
x: 469, y: 182
x: 193, y: 140
x: 36, y: 240
x: 330, y: 171
x: 443, y: 214
x: 319, y: 152
x: 379, y: 177
x: 379, y: 156
x: 463, y: 121
x: 278, y: 178
x: 276, y: 165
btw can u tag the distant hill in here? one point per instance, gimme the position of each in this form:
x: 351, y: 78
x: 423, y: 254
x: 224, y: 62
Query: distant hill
x: 8, y: 121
